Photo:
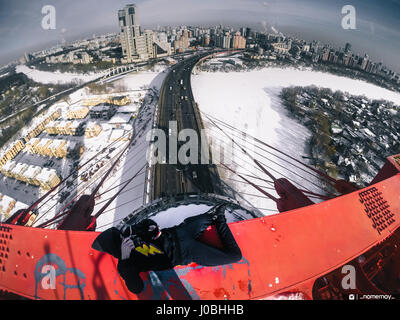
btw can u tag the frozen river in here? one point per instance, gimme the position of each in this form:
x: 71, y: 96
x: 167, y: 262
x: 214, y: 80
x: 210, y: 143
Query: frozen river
x: 249, y: 101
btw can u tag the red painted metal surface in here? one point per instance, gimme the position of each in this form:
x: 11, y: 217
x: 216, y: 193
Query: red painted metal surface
x: 286, y: 252
x: 390, y: 168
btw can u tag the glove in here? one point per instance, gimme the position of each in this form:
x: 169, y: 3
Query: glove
x: 126, y: 247
x: 217, y: 208
x: 219, y: 218
x: 137, y: 241
x: 218, y: 213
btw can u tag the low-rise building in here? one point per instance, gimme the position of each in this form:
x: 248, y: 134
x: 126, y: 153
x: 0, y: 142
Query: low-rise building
x: 57, y: 148
x: 92, y: 129
x: 51, y: 128
x: 103, y: 111
x: 6, y: 206
x: 76, y: 128
x: 132, y: 109
x: 18, y: 171
x: 7, y: 168
x: 90, y: 102
x: 114, y: 100
x: 42, y: 147
x: 48, y: 178
x: 73, y: 128
x: 77, y: 112
x: 12, y: 152
x: 31, y: 145
x: 118, y: 135
x: 119, y: 100
x: 120, y: 119
x: 31, y: 173
x: 41, y: 126
x: 63, y: 127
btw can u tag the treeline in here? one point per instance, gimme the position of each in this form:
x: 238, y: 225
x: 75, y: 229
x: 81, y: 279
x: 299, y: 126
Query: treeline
x: 75, y: 68
x: 15, y: 124
x: 97, y: 88
x: 18, y: 92
x: 15, y: 98
x: 321, y: 145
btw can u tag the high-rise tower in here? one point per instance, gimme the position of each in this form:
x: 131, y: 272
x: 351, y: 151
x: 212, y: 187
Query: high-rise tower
x: 347, y: 48
x: 135, y: 45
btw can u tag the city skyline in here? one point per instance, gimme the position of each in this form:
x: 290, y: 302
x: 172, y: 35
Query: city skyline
x: 376, y: 34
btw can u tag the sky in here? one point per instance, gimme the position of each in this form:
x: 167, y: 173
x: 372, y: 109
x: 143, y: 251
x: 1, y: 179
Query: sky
x: 377, y: 30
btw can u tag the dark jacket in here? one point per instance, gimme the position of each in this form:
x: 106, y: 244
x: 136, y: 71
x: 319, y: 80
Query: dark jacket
x: 178, y: 245
x: 162, y: 253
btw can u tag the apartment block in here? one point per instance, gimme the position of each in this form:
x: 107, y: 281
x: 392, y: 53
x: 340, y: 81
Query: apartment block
x: 6, y: 206
x: 31, y: 145
x: 92, y: 129
x: 103, y: 111
x: 116, y: 100
x: 72, y: 128
x: 12, y: 152
x: 58, y: 148
x: 136, y: 46
x: 41, y: 126
x: 48, y: 178
x: 7, y: 168
x: 18, y: 171
x: 77, y: 112
x: 31, y: 174
x: 119, y: 100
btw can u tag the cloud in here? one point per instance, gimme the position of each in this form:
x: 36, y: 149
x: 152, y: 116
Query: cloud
x: 192, y: 10
x: 319, y: 18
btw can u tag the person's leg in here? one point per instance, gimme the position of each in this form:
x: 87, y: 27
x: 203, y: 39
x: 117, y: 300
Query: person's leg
x: 206, y: 255
x: 227, y: 239
x: 194, y: 250
x: 194, y: 226
x: 187, y: 232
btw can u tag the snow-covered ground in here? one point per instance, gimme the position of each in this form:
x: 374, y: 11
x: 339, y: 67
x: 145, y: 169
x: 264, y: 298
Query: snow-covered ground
x: 236, y: 58
x: 47, y: 77
x: 143, y: 85
x: 249, y: 101
x: 135, y: 161
x: 142, y: 88
x: 174, y: 216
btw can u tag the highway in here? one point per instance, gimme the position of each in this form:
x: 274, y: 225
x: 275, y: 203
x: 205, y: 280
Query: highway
x: 176, y: 103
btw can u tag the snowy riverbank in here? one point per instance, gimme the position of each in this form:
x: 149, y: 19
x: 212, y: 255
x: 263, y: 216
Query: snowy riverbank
x: 47, y: 77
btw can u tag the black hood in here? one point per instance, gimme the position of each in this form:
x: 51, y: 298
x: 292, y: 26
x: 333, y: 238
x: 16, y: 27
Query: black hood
x: 146, y: 229
x: 109, y: 241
